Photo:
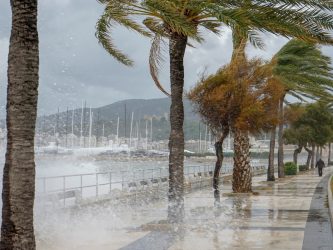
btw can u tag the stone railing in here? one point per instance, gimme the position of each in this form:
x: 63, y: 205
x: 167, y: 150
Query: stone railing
x: 87, y: 189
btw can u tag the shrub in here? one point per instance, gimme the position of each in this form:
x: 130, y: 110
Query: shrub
x: 290, y: 168
x: 303, y: 168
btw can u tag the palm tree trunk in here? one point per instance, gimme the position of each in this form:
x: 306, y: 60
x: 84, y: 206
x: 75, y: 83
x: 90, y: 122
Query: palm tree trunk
x: 310, y: 156
x: 296, y: 152
x: 329, y: 154
x: 270, y: 170
x: 218, y: 164
x: 313, y: 156
x: 317, y: 153
x: 242, y: 176
x: 17, y: 230
x: 280, y: 140
x: 177, y: 46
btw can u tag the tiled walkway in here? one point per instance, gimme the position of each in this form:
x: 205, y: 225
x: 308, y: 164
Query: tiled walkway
x: 318, y: 230
x: 277, y: 218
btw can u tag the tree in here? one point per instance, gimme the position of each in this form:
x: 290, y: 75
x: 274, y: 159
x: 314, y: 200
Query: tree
x: 285, y: 18
x: 305, y: 73
x: 271, y: 156
x: 300, y: 136
x: 17, y: 230
x: 225, y: 106
x: 314, y: 127
x: 176, y: 21
x: 304, y: 20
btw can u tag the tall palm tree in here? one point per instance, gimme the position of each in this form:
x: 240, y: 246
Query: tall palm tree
x: 17, y: 230
x: 179, y: 20
x: 271, y: 156
x: 305, y: 73
x: 286, y: 18
x: 248, y: 106
x: 176, y: 21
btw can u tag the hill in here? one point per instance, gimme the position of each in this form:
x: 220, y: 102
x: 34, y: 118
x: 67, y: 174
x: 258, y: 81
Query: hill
x: 144, y: 111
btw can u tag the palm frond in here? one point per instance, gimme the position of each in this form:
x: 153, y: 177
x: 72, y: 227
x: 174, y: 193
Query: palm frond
x: 103, y: 28
x: 155, y: 59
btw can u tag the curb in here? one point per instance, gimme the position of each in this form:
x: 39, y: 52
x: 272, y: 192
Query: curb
x: 330, y: 199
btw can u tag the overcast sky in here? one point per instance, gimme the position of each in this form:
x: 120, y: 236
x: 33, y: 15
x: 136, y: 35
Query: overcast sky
x: 74, y: 67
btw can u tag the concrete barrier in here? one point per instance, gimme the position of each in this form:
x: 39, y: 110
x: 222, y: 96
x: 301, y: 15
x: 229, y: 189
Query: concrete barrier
x: 330, y: 199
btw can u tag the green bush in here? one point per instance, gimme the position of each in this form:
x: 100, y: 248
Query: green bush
x: 290, y: 168
x: 303, y: 168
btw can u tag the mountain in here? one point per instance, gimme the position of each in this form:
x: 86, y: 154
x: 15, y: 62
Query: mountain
x: 107, y: 116
x: 143, y: 108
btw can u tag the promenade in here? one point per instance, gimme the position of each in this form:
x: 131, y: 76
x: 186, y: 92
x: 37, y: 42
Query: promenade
x: 278, y: 217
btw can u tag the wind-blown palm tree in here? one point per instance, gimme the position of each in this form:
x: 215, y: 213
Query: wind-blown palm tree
x: 17, y: 230
x: 306, y: 21
x: 278, y: 17
x: 225, y: 104
x: 305, y: 73
x: 176, y: 21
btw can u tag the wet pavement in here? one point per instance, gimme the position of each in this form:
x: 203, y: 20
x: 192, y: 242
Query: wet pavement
x: 318, y: 229
x: 277, y: 217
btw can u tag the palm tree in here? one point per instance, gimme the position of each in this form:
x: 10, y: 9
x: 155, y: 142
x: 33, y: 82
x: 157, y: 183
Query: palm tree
x: 225, y: 104
x: 177, y: 21
x: 308, y: 22
x: 271, y: 156
x: 305, y: 73
x: 278, y: 17
x: 17, y: 230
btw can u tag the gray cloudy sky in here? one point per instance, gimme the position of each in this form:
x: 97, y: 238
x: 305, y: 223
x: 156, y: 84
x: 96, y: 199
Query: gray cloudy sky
x: 74, y: 67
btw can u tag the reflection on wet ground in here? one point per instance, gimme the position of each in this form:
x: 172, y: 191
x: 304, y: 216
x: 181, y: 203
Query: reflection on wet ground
x: 318, y: 230
x: 275, y: 218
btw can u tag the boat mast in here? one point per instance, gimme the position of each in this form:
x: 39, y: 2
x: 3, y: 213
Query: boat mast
x: 146, y: 134
x: 137, y: 135
x: 131, y: 130
x: 206, y: 139
x: 57, y: 130
x: 73, y: 128
x: 199, y: 137
x: 84, y: 124
x: 125, y: 134
x: 151, y: 132
x: 118, y: 131
x: 66, y: 136
x: 81, y: 131
x: 90, y: 127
